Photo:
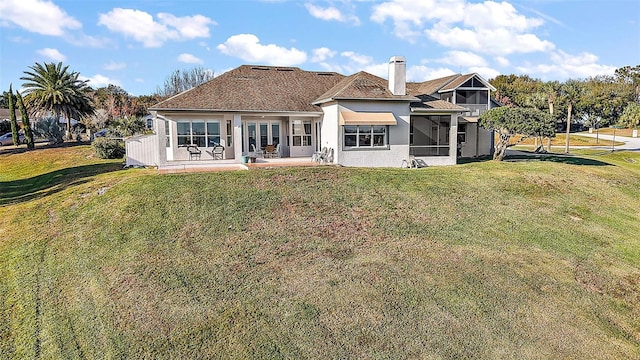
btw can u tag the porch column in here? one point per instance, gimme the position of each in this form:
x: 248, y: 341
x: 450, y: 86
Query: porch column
x: 237, y: 137
x: 453, y: 139
x: 161, y: 139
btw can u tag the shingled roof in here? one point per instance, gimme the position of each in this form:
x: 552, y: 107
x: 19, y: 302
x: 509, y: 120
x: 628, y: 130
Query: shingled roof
x: 428, y: 102
x: 256, y: 88
x: 431, y: 86
x: 360, y: 86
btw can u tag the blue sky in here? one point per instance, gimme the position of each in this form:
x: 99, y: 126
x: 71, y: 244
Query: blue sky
x: 137, y: 44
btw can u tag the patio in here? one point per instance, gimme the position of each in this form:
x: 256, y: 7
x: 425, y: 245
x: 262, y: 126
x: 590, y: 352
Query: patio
x: 188, y: 166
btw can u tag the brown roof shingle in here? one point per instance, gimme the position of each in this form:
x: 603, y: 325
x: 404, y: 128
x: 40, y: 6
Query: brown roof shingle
x: 256, y: 88
x: 361, y: 85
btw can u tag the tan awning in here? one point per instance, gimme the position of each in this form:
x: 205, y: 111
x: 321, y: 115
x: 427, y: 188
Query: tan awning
x: 471, y: 119
x: 366, y: 118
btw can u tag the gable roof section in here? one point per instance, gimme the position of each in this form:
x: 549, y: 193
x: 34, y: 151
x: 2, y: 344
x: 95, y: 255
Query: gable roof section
x: 361, y: 86
x: 431, y: 86
x: 256, y: 88
x: 463, y: 79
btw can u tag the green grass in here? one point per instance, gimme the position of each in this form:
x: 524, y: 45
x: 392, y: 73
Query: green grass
x: 520, y: 259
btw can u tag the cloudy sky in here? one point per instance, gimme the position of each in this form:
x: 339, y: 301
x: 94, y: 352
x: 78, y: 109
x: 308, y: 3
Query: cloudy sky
x: 136, y: 44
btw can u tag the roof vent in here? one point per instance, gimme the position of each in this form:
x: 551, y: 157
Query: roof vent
x: 259, y: 68
x: 284, y: 69
x: 325, y: 74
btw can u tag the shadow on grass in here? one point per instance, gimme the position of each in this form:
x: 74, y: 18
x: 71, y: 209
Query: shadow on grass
x: 520, y: 155
x: 17, y: 191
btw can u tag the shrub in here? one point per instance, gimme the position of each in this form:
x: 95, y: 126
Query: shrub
x: 108, y: 148
x: 49, y: 128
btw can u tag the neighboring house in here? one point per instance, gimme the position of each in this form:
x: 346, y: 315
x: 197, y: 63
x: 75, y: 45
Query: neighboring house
x: 366, y: 120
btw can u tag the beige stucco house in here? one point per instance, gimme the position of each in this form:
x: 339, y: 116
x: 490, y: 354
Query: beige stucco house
x: 363, y: 119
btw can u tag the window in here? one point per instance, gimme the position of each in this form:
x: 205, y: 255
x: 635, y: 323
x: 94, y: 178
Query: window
x: 167, y: 133
x: 229, y: 133
x: 365, y: 136
x: 472, y: 97
x: 199, y: 133
x: 213, y: 134
x: 301, y: 133
x: 462, y: 133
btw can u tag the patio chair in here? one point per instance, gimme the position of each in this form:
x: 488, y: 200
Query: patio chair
x: 410, y: 163
x: 194, y: 152
x: 269, y: 151
x: 217, y: 152
x: 272, y: 151
x: 256, y: 151
x: 319, y: 156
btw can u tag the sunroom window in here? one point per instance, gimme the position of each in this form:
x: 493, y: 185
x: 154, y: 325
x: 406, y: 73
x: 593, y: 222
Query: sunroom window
x: 198, y: 132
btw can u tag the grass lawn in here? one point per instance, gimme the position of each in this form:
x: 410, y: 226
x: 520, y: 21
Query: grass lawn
x: 574, y: 140
x: 619, y: 132
x: 519, y: 259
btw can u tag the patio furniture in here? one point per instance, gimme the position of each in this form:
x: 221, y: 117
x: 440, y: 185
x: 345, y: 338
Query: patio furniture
x: 194, y: 152
x: 256, y: 151
x: 272, y: 151
x: 319, y: 157
x: 410, y: 163
x: 217, y: 152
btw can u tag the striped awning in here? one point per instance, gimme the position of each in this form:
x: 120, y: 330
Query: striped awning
x: 366, y: 118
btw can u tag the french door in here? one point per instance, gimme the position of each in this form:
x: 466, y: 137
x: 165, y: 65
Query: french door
x: 301, y: 135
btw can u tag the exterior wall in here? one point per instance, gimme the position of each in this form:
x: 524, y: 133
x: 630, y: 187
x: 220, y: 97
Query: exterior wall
x: 485, y: 142
x: 398, y: 135
x: 142, y: 150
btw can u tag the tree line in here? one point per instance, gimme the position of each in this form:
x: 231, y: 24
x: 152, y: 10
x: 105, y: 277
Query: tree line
x: 596, y: 102
x: 52, y: 92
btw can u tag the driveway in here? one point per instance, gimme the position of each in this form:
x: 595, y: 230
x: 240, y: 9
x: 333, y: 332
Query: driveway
x: 630, y: 144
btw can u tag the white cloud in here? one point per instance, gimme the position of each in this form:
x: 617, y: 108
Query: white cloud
x: 359, y: 59
x: 98, y: 81
x: 463, y: 58
x: 484, y: 71
x: 502, y: 61
x: 419, y: 73
x: 189, y: 59
x: 142, y: 27
x: 52, y: 54
x: 331, y: 13
x: 248, y: 48
x: 111, y: 66
x: 565, y: 66
x: 322, y: 54
x: 42, y: 17
x: 486, y: 27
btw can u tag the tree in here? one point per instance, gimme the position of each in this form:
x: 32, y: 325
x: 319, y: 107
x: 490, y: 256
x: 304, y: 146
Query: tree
x: 510, y: 121
x: 630, y: 117
x: 630, y: 75
x: 53, y: 88
x: 26, y: 124
x: 570, y: 92
x: 184, y: 80
x: 12, y: 117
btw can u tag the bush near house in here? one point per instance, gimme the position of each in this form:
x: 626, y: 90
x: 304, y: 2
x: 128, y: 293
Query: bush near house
x: 105, y: 148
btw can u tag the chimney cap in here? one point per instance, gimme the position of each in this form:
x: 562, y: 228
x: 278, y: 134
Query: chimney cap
x: 396, y: 59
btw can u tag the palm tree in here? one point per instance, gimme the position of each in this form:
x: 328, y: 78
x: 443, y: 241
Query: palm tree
x: 52, y: 88
x: 571, y: 91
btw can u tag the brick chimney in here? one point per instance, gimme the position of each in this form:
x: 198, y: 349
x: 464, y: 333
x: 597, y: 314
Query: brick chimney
x: 398, y: 75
